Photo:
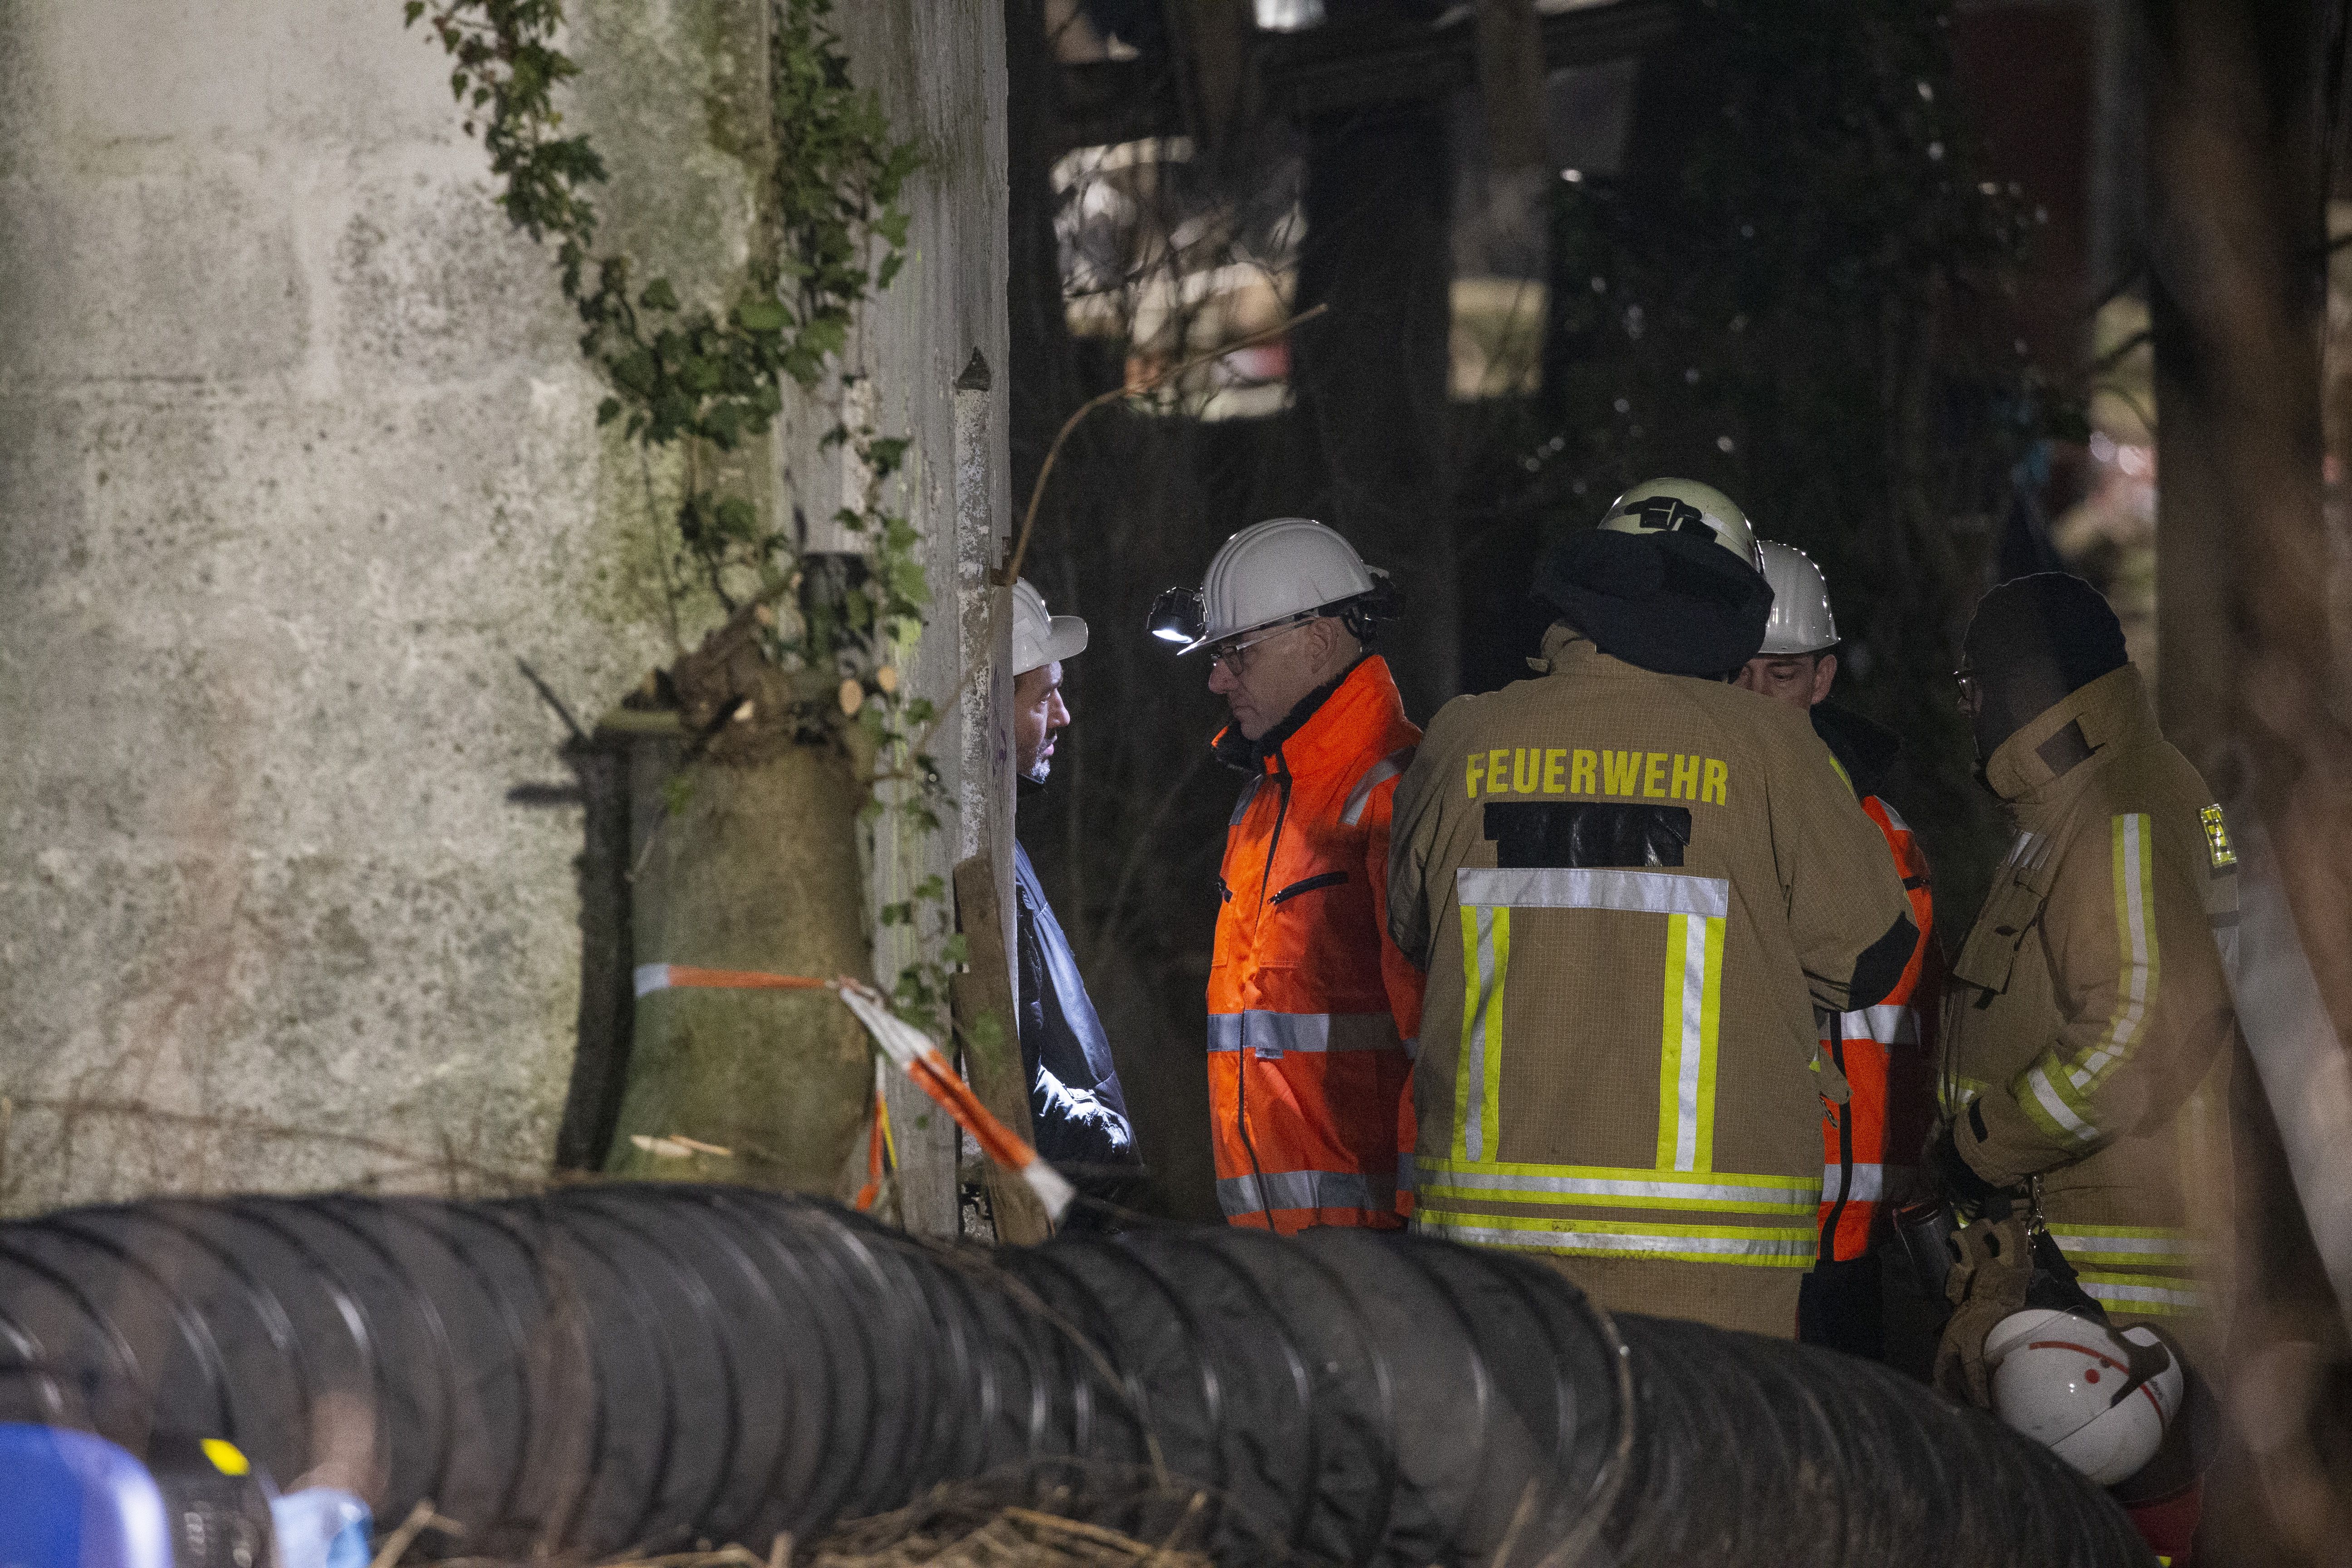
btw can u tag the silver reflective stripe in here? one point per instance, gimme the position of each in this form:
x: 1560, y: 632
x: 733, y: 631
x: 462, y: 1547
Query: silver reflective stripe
x: 1889, y: 1023
x: 2145, y: 1297
x: 1241, y: 806
x: 1872, y: 1185
x: 1893, y: 818
x: 1793, y: 1192
x: 1378, y: 773
x: 1635, y: 892
x: 651, y: 977
x: 1238, y: 1196
x: 2154, y: 1248
x: 1271, y: 1034
x: 1763, y: 1247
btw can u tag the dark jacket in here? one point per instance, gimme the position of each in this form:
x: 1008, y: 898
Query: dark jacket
x: 1074, y: 1093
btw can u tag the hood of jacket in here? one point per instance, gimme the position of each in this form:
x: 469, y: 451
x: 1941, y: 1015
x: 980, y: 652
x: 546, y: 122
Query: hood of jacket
x: 2030, y: 769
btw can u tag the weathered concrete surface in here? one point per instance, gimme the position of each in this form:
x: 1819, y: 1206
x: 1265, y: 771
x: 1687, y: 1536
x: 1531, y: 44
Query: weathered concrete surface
x: 938, y: 66
x: 297, y: 462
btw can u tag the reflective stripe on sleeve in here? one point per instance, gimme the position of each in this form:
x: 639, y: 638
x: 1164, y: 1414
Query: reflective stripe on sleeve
x: 2056, y: 1093
x: 1272, y: 1034
x: 1771, y: 1246
x: 1607, y: 1186
x: 1889, y: 1023
x: 1633, y: 892
x: 1391, y: 766
x: 1239, y: 1195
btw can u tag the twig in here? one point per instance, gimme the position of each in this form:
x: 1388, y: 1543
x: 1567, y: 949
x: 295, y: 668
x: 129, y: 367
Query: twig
x: 1006, y: 576
x: 420, y: 1519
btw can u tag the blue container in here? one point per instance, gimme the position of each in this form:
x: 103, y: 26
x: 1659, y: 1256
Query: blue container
x: 69, y: 1500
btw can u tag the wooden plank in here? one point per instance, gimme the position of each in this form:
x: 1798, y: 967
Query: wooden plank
x: 988, y: 1028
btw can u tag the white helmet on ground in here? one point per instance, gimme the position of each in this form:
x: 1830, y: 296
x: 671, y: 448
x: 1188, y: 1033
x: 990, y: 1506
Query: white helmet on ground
x: 1039, y: 638
x: 1269, y: 576
x: 1802, y: 621
x: 1683, y: 506
x: 2099, y: 1399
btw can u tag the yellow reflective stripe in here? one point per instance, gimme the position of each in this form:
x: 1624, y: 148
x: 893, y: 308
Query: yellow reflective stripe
x: 1778, y: 1246
x: 1611, y: 1186
x: 1690, y: 1022
x: 2144, y: 1245
x: 1478, y: 1073
x: 2056, y: 1093
x: 2147, y: 1294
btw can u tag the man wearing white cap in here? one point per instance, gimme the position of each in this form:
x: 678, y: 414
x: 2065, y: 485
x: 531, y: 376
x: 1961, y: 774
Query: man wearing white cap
x: 1074, y: 1093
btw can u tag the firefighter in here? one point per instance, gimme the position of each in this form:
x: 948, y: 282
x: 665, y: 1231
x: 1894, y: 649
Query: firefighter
x: 1075, y: 1105
x: 1631, y: 884
x: 1312, y: 1013
x: 2088, y: 1022
x: 1870, y: 1140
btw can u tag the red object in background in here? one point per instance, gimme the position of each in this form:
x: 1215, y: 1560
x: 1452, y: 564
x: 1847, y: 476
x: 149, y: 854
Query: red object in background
x: 2170, y: 1525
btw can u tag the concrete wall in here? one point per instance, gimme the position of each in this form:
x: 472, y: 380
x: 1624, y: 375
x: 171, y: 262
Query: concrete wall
x: 297, y: 465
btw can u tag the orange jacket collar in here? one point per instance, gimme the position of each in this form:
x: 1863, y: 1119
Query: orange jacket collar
x: 1366, y: 703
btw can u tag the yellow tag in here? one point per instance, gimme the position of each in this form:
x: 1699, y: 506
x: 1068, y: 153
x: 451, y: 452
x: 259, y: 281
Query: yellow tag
x: 226, y: 1457
x: 2217, y: 838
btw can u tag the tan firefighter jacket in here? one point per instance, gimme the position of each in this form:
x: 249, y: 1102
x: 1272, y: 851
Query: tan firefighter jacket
x: 2091, y: 1000
x: 1632, y: 891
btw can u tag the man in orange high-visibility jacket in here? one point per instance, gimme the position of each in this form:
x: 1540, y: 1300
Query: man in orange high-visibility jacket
x: 1871, y: 1139
x: 1312, y: 1010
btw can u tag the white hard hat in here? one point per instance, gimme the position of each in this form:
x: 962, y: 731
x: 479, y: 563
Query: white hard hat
x: 1038, y: 638
x: 1802, y: 621
x: 2099, y: 1399
x: 1283, y: 570
x: 1683, y: 506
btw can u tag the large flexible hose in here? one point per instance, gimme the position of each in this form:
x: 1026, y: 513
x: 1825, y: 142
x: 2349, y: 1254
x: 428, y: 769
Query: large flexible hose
x: 613, y: 1367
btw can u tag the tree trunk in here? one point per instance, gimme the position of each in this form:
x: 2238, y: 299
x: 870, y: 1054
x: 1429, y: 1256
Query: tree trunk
x: 1371, y: 377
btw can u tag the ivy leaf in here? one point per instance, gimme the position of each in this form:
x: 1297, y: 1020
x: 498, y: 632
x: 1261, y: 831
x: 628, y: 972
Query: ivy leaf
x: 888, y: 269
x: 608, y: 411
x: 658, y: 296
x: 737, y: 519
x: 762, y: 316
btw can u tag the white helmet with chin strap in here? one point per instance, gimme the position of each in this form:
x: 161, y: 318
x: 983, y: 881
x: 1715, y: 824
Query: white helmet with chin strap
x: 1802, y: 621
x: 2099, y: 1399
x: 1271, y: 575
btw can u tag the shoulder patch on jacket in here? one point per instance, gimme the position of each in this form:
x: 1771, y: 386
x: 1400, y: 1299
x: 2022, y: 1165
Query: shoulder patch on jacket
x: 1388, y: 767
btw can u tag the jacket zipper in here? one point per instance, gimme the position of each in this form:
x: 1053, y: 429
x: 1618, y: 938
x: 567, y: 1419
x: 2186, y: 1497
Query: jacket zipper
x: 1328, y: 879
x: 1241, y: 1068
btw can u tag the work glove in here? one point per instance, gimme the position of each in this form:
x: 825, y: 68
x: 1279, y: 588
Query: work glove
x: 1951, y: 1177
x: 1988, y: 1282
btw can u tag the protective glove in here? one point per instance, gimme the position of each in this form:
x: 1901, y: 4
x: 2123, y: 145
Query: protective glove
x: 1951, y: 1177
x: 1987, y: 1283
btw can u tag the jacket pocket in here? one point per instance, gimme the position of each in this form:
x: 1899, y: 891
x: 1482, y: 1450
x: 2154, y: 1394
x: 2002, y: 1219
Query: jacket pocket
x: 1328, y: 879
x: 2011, y: 912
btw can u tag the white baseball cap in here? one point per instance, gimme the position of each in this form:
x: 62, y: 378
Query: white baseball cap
x: 1038, y: 637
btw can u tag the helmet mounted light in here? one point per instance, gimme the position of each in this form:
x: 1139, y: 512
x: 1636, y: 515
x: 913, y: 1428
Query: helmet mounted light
x: 1176, y: 616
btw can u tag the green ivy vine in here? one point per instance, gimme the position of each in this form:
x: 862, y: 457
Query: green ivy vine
x: 832, y: 234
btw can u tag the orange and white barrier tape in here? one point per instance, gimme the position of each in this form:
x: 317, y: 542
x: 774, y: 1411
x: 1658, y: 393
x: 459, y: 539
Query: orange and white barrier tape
x: 904, y: 1044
